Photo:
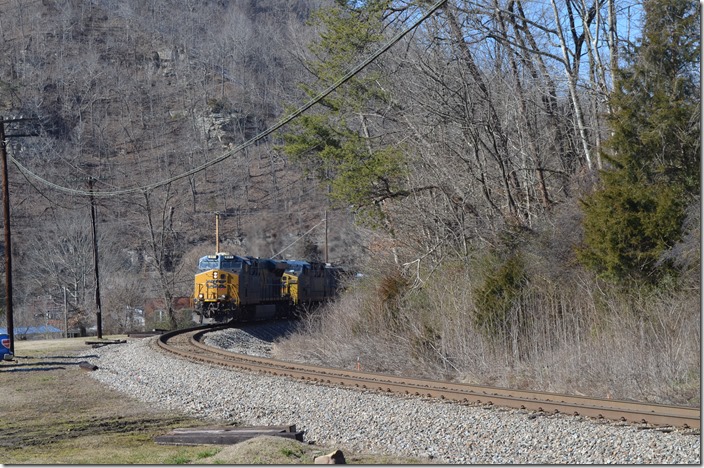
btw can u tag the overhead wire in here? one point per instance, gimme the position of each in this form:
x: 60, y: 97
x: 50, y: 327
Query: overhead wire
x: 146, y: 188
x: 299, y: 238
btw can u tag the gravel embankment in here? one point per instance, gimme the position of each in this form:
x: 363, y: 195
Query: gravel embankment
x: 369, y: 422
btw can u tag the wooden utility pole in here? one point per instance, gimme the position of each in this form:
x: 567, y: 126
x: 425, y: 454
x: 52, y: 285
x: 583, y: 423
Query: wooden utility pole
x: 65, y: 313
x: 326, y: 223
x: 217, y: 233
x: 99, y: 314
x: 8, y: 243
x: 6, y: 222
x: 326, y: 236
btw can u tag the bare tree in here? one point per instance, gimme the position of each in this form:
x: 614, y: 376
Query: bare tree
x: 161, y: 247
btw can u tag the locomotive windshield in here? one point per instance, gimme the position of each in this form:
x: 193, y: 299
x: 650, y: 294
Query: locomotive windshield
x: 296, y: 266
x: 206, y: 264
x: 220, y: 262
x: 231, y: 264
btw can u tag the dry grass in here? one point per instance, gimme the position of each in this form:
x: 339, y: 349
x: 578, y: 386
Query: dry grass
x: 575, y: 338
x: 52, y: 412
x: 269, y: 450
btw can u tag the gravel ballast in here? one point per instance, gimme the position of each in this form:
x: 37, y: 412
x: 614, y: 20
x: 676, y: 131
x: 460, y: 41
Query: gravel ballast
x: 368, y: 422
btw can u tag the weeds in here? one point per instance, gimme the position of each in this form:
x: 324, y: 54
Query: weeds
x: 290, y: 452
x: 569, y: 334
x: 207, y: 453
x: 178, y: 459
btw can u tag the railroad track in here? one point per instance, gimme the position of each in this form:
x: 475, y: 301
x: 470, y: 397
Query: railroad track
x: 188, y: 344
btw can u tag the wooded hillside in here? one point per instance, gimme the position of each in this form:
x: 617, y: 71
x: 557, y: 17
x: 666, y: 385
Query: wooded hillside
x: 519, y: 181
x: 139, y: 93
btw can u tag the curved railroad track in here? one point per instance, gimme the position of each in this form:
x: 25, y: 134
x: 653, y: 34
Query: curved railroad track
x: 188, y: 344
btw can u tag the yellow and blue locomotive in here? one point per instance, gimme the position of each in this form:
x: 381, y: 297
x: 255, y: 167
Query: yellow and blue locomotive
x: 233, y: 288
x: 309, y: 283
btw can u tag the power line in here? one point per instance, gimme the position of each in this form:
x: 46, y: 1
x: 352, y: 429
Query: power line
x: 251, y: 141
x: 299, y: 238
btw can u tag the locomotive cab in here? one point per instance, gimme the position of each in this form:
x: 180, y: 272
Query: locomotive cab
x: 217, y: 283
x: 291, y: 280
x: 312, y: 283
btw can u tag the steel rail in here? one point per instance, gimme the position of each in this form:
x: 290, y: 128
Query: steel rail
x: 191, y: 347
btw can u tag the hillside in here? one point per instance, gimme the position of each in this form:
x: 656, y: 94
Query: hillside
x: 131, y: 94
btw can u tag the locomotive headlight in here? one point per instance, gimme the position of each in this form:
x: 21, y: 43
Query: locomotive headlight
x: 223, y: 297
x: 201, y: 296
x: 215, y: 275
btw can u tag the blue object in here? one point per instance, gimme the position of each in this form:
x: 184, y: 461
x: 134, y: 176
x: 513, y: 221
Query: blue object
x: 4, y: 345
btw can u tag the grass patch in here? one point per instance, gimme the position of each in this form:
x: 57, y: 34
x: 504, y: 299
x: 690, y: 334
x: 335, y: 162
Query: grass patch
x: 52, y: 412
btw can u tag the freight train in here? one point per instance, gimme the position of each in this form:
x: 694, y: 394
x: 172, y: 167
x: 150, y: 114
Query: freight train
x: 233, y: 288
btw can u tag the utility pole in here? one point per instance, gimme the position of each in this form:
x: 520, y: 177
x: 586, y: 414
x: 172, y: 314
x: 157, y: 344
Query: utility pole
x: 326, y: 236
x: 95, y: 261
x: 8, y: 244
x: 6, y: 222
x: 217, y: 232
x: 326, y: 223
x: 65, y: 314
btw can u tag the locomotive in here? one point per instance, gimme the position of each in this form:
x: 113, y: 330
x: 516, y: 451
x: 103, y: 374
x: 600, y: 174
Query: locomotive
x: 234, y: 288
